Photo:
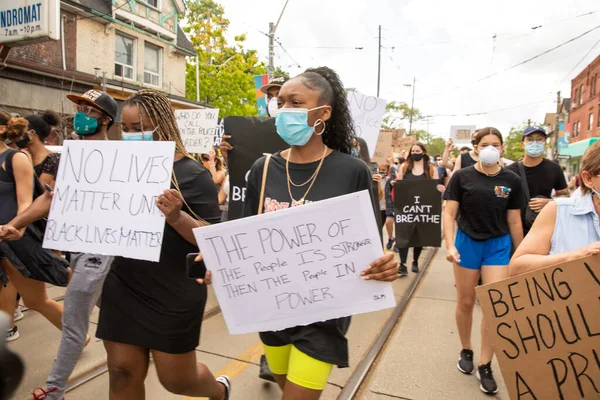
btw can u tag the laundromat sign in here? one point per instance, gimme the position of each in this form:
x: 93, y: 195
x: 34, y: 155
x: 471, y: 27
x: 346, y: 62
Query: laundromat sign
x: 29, y: 21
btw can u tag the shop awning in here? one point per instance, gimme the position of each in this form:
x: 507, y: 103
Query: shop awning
x: 578, y: 148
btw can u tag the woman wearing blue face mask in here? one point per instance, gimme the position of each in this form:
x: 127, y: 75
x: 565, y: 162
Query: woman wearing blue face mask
x: 489, y: 200
x: 566, y: 229
x: 315, y: 120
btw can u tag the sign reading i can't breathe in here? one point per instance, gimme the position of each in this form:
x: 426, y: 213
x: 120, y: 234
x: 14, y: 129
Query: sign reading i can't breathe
x: 198, y: 129
x: 545, y: 328
x: 297, y: 266
x: 105, y: 198
x: 418, y: 206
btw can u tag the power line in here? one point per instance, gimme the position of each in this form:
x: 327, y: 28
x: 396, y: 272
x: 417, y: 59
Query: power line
x: 580, y: 61
x: 490, y: 111
x: 288, y: 54
x: 515, y: 65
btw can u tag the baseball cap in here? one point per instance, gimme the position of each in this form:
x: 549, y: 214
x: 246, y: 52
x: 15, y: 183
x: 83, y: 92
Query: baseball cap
x: 99, y: 100
x: 533, y: 129
x: 276, y: 81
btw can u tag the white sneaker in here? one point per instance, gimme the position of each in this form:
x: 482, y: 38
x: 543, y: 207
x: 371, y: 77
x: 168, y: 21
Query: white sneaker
x: 226, y: 382
x: 18, y: 314
x: 12, y: 334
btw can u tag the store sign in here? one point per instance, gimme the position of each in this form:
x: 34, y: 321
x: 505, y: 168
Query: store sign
x: 25, y: 22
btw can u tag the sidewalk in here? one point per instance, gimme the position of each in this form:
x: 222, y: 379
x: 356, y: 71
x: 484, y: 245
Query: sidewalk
x: 419, y: 361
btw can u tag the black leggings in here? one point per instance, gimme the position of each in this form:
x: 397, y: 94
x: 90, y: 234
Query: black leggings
x: 404, y: 254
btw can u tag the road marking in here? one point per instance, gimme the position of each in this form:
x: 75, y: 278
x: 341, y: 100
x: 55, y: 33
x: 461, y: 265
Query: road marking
x: 235, y: 367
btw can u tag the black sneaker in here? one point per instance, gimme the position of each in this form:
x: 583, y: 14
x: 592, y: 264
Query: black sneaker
x: 226, y: 382
x: 465, y: 362
x: 402, y: 270
x: 488, y: 383
x: 264, y: 372
x: 415, y: 267
x: 390, y: 243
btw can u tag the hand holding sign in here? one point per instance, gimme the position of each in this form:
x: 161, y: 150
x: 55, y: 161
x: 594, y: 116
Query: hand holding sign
x: 170, y: 203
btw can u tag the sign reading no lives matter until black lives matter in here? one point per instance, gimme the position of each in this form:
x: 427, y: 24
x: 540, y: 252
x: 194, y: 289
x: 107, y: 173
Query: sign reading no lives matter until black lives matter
x: 418, y: 206
x: 105, y: 198
x: 545, y: 328
x: 297, y: 266
x: 251, y: 138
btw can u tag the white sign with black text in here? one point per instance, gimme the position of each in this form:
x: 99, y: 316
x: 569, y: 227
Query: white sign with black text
x: 367, y: 113
x: 296, y: 266
x: 105, y: 198
x: 25, y: 22
x: 198, y: 129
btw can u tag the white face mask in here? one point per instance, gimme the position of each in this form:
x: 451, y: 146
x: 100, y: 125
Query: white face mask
x: 489, y: 156
x: 272, y: 107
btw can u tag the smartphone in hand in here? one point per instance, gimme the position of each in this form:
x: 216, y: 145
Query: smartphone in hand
x: 195, y: 270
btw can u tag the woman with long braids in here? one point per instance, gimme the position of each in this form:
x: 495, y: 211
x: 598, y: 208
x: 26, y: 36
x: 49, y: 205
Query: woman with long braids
x: 415, y: 168
x: 154, y: 308
x: 314, y: 119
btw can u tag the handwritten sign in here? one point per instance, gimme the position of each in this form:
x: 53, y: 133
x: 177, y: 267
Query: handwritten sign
x: 383, y: 149
x: 367, y: 113
x: 545, y: 328
x: 105, y: 198
x: 404, y: 144
x: 198, y: 129
x: 297, y: 266
x: 418, y: 206
x: 461, y: 134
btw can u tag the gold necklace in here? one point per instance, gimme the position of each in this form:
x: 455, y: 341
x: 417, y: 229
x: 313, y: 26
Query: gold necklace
x: 480, y: 169
x: 313, y: 178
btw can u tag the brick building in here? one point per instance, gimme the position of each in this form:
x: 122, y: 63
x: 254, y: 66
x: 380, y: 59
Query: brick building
x: 120, y: 46
x: 585, y: 95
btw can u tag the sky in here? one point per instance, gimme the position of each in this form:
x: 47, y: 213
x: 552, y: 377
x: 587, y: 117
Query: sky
x: 450, y: 47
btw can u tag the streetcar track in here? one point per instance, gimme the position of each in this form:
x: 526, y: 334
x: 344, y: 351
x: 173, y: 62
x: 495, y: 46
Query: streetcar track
x: 359, y: 376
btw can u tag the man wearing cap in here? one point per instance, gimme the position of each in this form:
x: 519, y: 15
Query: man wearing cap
x: 271, y: 89
x: 95, y: 113
x: 539, y: 176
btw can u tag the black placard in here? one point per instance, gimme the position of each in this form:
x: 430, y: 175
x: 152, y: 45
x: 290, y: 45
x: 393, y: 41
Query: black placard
x: 418, y: 206
x: 251, y: 138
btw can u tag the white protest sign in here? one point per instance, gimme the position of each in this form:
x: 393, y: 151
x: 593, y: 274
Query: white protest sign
x: 367, y: 113
x: 105, y: 198
x: 198, y: 129
x: 461, y: 134
x: 296, y: 266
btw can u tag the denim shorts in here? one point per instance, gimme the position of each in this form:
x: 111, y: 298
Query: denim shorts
x: 475, y: 254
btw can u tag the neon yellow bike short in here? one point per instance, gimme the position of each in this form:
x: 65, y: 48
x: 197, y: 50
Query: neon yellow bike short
x: 300, y: 368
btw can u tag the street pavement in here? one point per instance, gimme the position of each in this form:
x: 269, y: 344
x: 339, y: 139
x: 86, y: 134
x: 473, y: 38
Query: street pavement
x: 419, y: 361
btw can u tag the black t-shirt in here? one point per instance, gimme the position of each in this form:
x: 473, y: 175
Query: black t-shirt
x: 542, y: 178
x: 340, y: 174
x: 484, y: 201
x: 466, y: 160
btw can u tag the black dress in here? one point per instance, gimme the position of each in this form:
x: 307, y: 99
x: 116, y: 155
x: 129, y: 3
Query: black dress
x: 155, y: 305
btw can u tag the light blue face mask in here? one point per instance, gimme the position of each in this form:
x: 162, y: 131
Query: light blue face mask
x: 292, y: 125
x: 534, y: 149
x: 146, y: 136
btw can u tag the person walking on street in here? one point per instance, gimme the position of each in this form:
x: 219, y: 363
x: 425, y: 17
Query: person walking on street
x: 415, y: 168
x: 489, y: 200
x: 539, y: 176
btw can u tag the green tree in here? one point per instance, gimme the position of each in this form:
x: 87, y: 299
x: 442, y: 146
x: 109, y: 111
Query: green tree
x: 436, y: 147
x: 278, y: 71
x: 396, y: 112
x: 226, y: 71
x: 513, y: 150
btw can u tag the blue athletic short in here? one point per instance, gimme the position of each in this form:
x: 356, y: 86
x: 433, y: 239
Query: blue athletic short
x: 474, y: 254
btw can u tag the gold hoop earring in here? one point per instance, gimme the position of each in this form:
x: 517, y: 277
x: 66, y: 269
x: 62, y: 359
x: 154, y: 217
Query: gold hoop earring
x: 318, y: 122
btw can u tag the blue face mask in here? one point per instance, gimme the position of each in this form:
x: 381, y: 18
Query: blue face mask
x: 354, y: 152
x: 292, y: 125
x: 146, y: 136
x: 84, y: 124
x: 534, y: 149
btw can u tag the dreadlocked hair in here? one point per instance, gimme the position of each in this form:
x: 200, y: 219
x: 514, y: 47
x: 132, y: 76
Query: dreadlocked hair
x: 16, y: 127
x: 339, y: 130
x: 157, y: 107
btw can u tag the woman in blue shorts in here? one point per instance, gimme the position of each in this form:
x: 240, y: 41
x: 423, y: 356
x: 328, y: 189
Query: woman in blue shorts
x: 488, y: 200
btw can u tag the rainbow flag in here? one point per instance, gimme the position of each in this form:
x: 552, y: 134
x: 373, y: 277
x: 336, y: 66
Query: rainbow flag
x: 261, y: 101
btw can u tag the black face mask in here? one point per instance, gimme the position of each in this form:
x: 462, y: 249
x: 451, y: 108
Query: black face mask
x: 473, y: 142
x: 416, y: 157
x: 23, y: 142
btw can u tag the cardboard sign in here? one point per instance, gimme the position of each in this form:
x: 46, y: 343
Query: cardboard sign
x: 367, y: 113
x: 461, y: 134
x: 405, y: 144
x: 198, y: 129
x: 105, y: 198
x: 545, y: 328
x: 418, y: 206
x: 251, y: 138
x: 383, y: 149
x: 297, y: 266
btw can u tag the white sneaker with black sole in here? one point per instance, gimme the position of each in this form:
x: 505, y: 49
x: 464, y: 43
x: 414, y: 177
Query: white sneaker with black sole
x: 12, y: 334
x: 226, y: 382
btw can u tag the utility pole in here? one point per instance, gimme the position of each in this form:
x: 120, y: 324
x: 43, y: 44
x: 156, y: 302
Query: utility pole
x: 557, y: 123
x: 412, y: 106
x: 272, y: 30
x: 379, y: 63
